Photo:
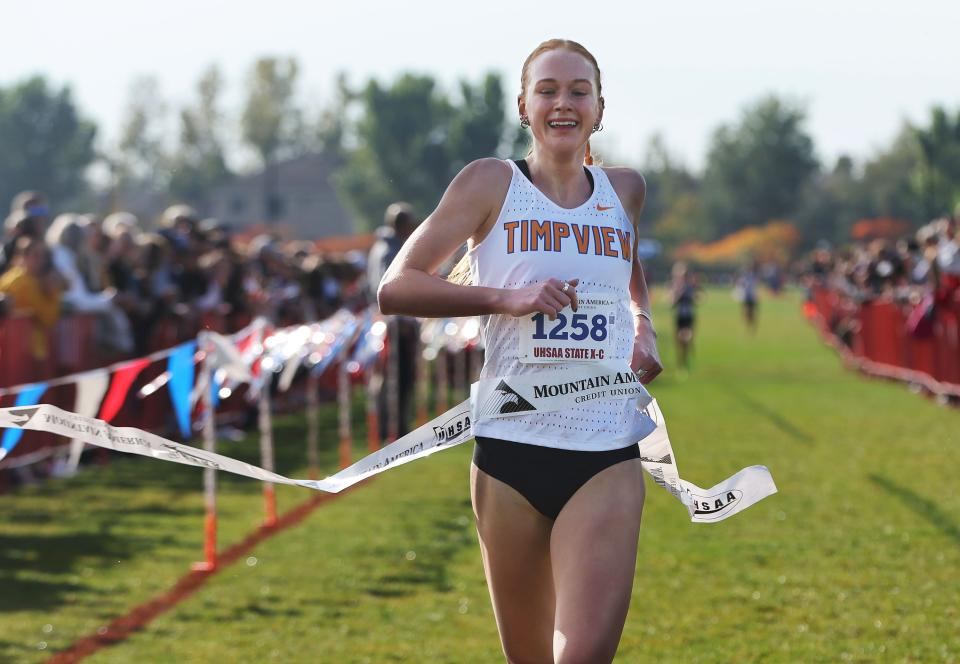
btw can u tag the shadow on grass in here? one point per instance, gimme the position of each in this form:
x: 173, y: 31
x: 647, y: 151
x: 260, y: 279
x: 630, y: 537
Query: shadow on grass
x: 273, y: 610
x: 443, y: 539
x: 921, y: 506
x: 38, y: 572
x: 11, y: 651
x: 772, y: 416
x: 117, y: 513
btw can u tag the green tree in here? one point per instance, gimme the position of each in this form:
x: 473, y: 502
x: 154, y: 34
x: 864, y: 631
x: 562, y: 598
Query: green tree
x: 47, y: 144
x: 757, y: 169
x: 667, y: 180
x: 270, y: 119
x: 939, y: 179
x: 199, y: 163
x: 672, y: 213
x: 477, y: 126
x: 412, y: 139
x: 271, y: 122
x: 333, y: 128
x: 832, y: 202
x: 401, y: 152
x: 889, y: 183
x: 141, y: 160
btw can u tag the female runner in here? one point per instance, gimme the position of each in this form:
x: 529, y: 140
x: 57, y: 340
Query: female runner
x: 683, y: 292
x: 558, y: 495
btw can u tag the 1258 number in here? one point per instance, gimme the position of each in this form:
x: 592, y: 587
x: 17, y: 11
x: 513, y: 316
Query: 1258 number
x: 597, y: 330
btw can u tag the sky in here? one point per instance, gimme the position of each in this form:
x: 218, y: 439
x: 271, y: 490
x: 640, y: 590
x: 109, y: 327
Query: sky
x: 680, y: 69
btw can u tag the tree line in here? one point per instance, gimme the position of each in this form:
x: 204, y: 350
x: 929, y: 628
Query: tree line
x: 407, y: 138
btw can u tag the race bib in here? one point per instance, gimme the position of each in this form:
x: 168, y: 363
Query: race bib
x: 585, y: 335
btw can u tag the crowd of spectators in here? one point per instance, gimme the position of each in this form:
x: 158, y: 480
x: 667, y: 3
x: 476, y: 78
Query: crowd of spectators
x: 927, y: 263
x: 920, y: 272
x: 131, y: 275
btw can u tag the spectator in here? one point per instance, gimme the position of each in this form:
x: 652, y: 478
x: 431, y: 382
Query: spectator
x: 28, y: 218
x: 948, y: 258
x: 120, y: 260
x: 399, y: 223
x: 926, y: 270
x: 321, y: 284
x: 921, y: 274
x: 153, y: 285
x: 118, y: 222
x: 67, y: 241
x: 181, y: 220
x: 217, y: 272
x: 273, y: 281
x: 35, y: 288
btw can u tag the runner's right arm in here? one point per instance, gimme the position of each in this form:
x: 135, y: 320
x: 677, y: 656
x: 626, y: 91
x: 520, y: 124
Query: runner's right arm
x: 468, y: 208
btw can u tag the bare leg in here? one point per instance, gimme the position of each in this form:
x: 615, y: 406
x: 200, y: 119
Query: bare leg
x: 750, y: 315
x: 594, y: 555
x: 515, y: 543
x: 684, y: 339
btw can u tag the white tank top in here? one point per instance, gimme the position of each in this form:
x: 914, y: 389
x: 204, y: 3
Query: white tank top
x: 535, y: 239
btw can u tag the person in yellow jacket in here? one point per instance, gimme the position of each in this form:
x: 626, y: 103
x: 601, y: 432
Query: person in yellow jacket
x: 35, y: 289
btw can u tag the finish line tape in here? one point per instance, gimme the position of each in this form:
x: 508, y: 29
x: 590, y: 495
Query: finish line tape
x: 504, y: 397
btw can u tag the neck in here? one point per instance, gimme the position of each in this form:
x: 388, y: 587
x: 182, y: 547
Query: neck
x: 560, y: 175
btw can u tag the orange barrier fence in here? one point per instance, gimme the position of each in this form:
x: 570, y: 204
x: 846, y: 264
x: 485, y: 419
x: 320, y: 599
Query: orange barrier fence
x: 895, y: 340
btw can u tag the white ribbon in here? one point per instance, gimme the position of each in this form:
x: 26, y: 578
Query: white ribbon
x: 734, y: 494
x: 545, y: 391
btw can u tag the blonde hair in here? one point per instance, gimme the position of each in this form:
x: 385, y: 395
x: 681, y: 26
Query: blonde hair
x: 461, y: 274
x: 559, y: 44
x: 573, y: 47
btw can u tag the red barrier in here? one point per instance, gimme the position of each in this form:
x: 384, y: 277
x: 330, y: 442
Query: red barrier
x: 883, y: 329
x: 882, y: 343
x: 17, y: 363
x: 73, y: 349
x: 75, y: 345
x: 947, y: 334
x: 214, y: 322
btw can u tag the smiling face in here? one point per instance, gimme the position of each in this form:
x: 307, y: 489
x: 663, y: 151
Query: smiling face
x: 561, y: 98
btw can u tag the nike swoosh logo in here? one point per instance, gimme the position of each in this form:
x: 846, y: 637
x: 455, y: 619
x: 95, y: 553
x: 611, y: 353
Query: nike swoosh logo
x: 603, y: 208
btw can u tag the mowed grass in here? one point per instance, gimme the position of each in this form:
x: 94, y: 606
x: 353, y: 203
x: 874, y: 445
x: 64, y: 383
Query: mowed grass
x: 856, y: 559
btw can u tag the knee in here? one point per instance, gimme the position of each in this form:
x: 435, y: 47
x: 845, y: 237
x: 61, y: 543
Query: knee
x: 585, y: 650
x: 531, y: 647
x: 522, y: 656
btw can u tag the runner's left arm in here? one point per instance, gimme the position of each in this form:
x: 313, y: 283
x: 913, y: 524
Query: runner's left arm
x: 632, y: 189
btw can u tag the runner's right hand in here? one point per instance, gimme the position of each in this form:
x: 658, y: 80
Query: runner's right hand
x: 546, y: 297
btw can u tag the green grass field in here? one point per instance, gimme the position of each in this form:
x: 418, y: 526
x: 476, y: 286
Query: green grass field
x: 857, y: 559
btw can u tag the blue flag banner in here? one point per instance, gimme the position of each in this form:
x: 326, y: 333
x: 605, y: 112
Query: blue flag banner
x: 367, y: 350
x: 29, y: 396
x: 215, y: 385
x: 333, y: 353
x: 180, y: 366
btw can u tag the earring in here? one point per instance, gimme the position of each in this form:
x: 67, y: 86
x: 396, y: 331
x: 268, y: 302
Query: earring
x: 524, y: 122
x: 597, y: 126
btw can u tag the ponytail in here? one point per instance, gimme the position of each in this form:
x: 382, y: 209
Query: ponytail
x: 588, y: 156
x: 461, y: 274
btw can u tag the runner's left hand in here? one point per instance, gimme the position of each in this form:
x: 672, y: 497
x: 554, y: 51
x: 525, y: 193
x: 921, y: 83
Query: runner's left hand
x: 646, y: 357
